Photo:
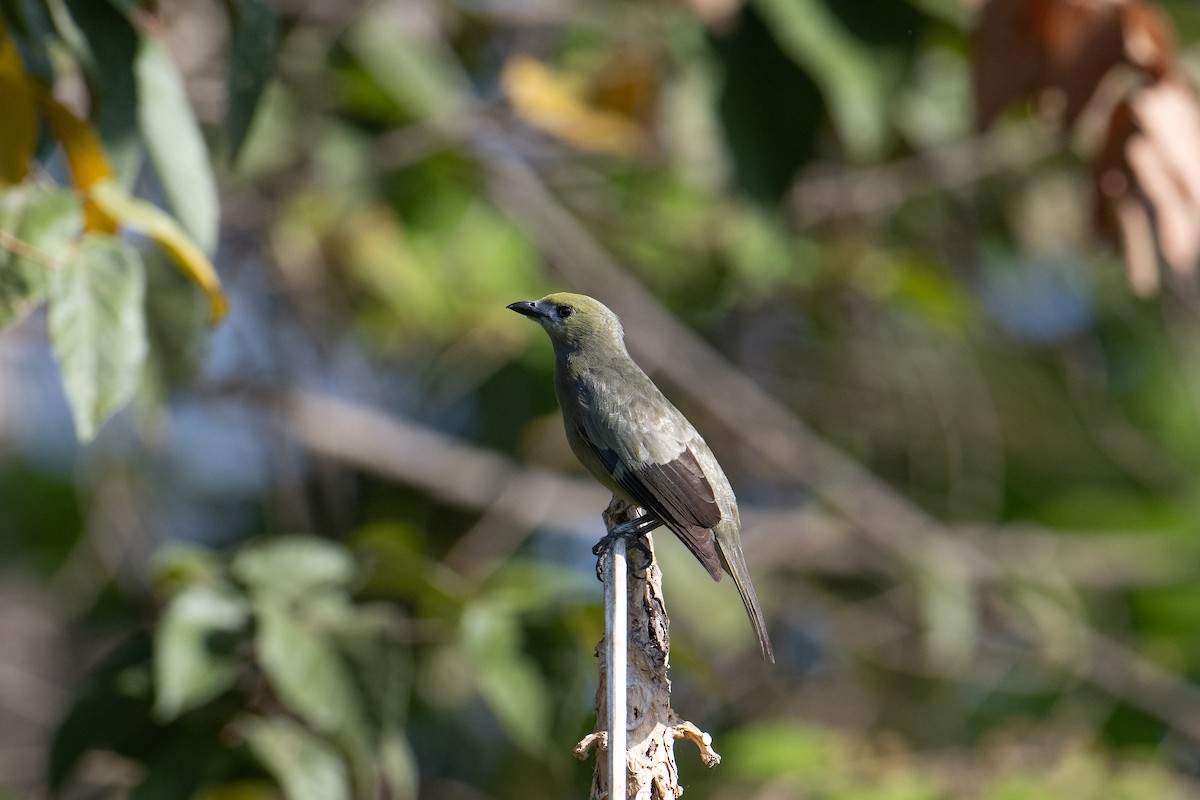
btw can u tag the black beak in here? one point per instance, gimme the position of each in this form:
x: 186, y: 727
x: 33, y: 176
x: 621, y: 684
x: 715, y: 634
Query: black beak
x: 527, y: 307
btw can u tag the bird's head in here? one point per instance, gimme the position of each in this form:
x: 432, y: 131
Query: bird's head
x: 574, y: 320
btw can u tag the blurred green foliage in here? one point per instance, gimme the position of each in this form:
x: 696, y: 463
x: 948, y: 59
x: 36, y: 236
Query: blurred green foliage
x: 783, y: 178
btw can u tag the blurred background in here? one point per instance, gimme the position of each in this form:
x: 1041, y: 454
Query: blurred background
x: 921, y: 271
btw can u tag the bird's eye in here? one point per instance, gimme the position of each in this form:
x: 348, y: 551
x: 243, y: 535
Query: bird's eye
x: 564, y: 311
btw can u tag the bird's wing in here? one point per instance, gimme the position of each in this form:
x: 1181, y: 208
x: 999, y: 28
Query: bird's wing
x: 675, y: 490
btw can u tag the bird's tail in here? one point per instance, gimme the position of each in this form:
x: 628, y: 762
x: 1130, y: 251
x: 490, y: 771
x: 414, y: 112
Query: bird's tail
x: 735, y: 564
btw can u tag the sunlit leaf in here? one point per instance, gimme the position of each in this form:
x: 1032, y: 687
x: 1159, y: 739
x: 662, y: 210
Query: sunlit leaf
x: 192, y: 663
x: 251, y: 60
x: 175, y: 144
x: 149, y: 220
x: 239, y: 790
x: 428, y: 277
x: 557, y: 104
x: 306, y: 767
x: 303, y: 667
x: 398, y: 764
x: 416, y: 70
x: 770, y: 750
x: 36, y: 225
x: 18, y: 133
x: 97, y: 328
x: 294, y: 566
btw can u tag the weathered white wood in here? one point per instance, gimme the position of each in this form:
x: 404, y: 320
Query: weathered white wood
x: 616, y: 622
x: 644, y: 696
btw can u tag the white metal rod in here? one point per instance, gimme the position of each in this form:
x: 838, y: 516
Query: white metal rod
x: 616, y: 620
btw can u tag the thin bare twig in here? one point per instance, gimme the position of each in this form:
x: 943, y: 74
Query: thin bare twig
x: 19, y: 247
x: 874, y: 191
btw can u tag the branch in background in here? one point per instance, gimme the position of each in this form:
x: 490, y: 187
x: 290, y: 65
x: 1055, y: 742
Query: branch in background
x: 666, y: 347
x: 921, y: 544
x: 472, y: 477
x: 804, y: 539
x: 450, y: 470
x: 819, y: 197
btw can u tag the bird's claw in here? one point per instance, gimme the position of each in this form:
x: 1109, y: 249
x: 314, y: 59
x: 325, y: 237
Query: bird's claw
x: 634, y: 533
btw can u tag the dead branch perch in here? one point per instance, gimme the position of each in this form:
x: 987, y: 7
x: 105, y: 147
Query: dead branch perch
x: 652, y: 726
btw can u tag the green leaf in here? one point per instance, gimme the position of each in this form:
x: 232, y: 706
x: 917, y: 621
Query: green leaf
x: 253, y: 53
x: 179, y: 566
x: 303, y: 667
x: 193, y: 662
x: 97, y: 328
x: 400, y: 568
x: 106, y: 44
x: 294, y: 566
x: 380, y: 669
x: 239, y: 790
x: 305, y: 766
x: 36, y: 225
x: 175, y: 144
x: 127, y: 7
x: 110, y: 711
x: 854, y: 79
x: 398, y: 764
x: 806, y: 754
x: 177, y: 316
x: 419, y: 72
x: 507, y: 679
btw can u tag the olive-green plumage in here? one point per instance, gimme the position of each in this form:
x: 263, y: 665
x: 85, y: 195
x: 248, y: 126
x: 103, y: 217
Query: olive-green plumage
x: 637, y: 444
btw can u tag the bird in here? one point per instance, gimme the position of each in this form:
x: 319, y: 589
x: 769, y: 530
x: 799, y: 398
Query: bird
x: 638, y: 445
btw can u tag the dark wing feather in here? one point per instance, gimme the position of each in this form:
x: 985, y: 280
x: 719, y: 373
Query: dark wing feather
x: 682, y: 491
x: 678, y: 494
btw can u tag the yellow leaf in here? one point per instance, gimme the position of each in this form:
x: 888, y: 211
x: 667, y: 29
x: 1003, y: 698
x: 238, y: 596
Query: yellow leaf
x: 85, y: 155
x: 18, y: 133
x: 151, y: 221
x: 556, y: 104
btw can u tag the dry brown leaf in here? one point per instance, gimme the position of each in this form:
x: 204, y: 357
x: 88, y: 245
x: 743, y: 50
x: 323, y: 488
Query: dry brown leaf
x: 599, y: 118
x: 1146, y: 172
x: 1148, y: 41
x: 1147, y: 181
x: 1058, y: 51
x: 627, y: 85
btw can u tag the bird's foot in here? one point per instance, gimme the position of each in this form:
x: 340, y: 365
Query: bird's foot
x: 633, y: 532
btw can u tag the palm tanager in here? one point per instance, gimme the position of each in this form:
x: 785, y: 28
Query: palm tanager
x: 630, y: 437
